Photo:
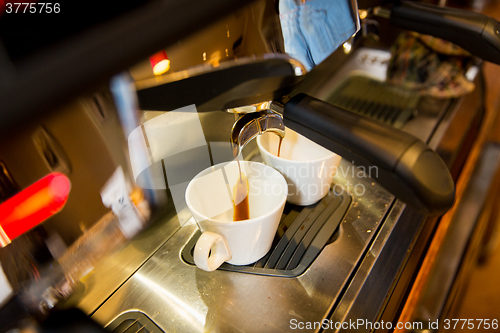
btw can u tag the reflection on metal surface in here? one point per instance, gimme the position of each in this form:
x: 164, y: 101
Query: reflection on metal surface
x: 313, y: 30
x: 347, y: 47
x: 363, y: 13
x: 183, y: 309
x: 258, y: 107
x: 115, y: 269
x: 133, y: 322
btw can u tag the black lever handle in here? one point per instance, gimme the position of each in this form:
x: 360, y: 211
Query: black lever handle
x: 406, y: 166
x: 477, y: 33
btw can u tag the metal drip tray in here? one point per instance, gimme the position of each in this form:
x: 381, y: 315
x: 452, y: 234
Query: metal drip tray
x: 302, y: 234
x: 376, y: 99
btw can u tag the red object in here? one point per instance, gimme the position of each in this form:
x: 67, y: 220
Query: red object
x: 159, y: 62
x: 33, y: 205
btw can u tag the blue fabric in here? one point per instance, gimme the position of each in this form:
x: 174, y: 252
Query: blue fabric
x: 314, y: 29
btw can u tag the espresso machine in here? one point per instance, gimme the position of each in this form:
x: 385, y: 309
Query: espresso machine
x: 239, y: 69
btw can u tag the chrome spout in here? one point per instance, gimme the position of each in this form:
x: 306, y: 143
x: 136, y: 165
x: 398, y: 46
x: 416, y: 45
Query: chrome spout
x: 255, y: 120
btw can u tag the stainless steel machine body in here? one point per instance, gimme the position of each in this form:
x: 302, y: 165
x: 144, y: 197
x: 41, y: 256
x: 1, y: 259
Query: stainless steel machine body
x: 353, y: 277
x: 359, y: 273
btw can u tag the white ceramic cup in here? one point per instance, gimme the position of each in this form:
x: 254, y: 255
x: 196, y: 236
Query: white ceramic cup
x: 209, y: 198
x: 308, y: 167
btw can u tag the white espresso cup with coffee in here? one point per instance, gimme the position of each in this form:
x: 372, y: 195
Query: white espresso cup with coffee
x: 308, y: 167
x: 210, y: 198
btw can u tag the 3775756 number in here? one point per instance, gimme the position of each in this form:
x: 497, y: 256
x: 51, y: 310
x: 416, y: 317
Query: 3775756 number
x: 26, y: 7
x: 470, y: 324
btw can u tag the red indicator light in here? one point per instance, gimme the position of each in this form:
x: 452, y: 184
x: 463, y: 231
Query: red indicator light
x: 159, y: 62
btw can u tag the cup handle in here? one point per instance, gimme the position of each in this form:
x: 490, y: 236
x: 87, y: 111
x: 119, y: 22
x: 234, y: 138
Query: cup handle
x: 210, y: 261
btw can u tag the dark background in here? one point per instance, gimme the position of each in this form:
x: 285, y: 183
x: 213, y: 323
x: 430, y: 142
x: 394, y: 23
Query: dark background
x: 24, y: 34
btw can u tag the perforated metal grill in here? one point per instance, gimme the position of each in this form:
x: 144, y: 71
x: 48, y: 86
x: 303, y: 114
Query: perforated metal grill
x: 376, y: 99
x: 302, y: 233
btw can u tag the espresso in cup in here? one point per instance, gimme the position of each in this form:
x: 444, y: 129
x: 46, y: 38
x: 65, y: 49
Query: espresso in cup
x: 241, y: 205
x: 210, y: 198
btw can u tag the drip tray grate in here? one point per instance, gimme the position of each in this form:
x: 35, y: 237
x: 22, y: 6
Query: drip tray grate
x: 302, y: 233
x: 133, y: 322
x: 376, y: 99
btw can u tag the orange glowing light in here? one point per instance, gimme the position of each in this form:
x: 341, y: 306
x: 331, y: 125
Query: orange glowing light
x: 159, y: 62
x: 33, y: 205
